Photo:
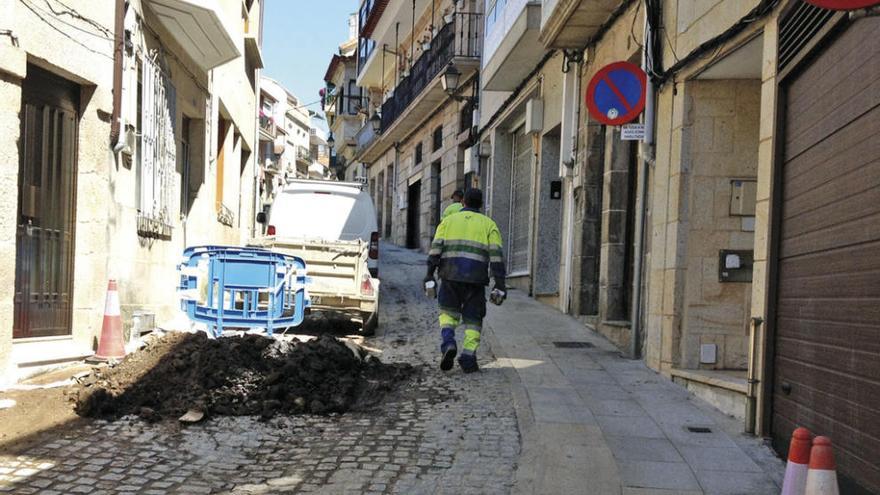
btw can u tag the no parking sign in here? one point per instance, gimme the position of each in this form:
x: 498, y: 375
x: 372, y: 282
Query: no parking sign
x: 844, y: 4
x: 616, y: 94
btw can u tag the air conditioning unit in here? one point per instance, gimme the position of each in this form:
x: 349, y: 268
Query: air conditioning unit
x: 534, y: 116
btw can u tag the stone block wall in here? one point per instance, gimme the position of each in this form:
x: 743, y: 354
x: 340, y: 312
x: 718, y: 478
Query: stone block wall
x: 11, y: 66
x: 451, y: 159
x: 722, y: 120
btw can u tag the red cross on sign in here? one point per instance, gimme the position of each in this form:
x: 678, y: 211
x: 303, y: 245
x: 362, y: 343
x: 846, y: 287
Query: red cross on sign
x: 843, y: 4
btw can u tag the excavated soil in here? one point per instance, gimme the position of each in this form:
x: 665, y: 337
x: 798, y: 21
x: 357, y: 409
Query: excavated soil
x: 237, y: 376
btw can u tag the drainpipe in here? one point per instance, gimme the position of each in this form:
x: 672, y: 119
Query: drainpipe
x: 569, y: 193
x: 118, y: 57
x: 646, y: 156
x: 751, y: 393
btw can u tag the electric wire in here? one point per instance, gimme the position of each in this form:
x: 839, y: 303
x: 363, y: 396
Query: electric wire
x: 76, y: 15
x: 56, y: 15
x: 59, y: 30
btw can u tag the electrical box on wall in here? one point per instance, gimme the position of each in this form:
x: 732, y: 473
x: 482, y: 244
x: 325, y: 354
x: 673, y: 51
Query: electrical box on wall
x: 485, y: 149
x: 556, y: 189
x: 471, y: 161
x: 735, y: 265
x: 743, y: 195
x: 534, y: 116
x: 708, y: 353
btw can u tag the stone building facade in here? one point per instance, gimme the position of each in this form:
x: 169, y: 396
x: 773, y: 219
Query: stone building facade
x: 698, y: 250
x: 181, y: 172
x: 414, y: 135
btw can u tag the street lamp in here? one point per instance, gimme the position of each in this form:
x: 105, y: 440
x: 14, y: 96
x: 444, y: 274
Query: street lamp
x: 330, y: 141
x: 376, y: 123
x: 451, y: 79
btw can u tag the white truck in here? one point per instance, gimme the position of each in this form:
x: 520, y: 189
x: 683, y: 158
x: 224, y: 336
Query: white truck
x: 332, y: 226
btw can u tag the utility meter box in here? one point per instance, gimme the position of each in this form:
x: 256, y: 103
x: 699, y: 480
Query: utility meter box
x: 735, y: 265
x: 534, y: 116
x: 743, y: 195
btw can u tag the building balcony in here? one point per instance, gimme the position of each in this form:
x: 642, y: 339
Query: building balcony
x: 252, y: 50
x: 303, y: 155
x: 387, y: 23
x: 421, y: 92
x: 267, y: 128
x: 511, y: 48
x: 199, y: 28
x: 570, y: 24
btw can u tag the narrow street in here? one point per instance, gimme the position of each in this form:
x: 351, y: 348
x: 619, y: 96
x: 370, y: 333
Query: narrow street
x: 591, y: 422
x: 442, y: 433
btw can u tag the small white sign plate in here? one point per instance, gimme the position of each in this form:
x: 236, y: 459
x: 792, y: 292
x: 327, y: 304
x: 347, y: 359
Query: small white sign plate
x: 632, y: 132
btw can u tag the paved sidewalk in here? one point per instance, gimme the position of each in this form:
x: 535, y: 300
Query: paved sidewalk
x: 593, y: 422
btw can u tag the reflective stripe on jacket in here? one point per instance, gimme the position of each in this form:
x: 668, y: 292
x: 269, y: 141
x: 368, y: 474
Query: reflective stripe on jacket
x: 466, y: 247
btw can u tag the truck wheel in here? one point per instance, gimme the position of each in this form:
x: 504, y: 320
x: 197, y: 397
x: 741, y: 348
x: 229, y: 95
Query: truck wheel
x: 371, y: 322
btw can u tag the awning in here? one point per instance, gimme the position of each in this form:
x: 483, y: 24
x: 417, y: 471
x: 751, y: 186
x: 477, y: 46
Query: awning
x: 199, y: 28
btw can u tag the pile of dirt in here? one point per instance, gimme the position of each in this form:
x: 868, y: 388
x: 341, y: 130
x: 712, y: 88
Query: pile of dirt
x: 237, y: 376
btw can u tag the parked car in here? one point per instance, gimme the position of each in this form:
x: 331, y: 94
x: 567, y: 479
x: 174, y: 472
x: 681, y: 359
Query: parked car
x: 333, y: 227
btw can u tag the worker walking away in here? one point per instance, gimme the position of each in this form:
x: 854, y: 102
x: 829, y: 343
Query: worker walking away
x: 456, y: 206
x: 466, y: 249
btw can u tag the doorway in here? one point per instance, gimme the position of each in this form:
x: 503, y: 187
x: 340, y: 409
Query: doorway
x: 413, y: 215
x: 46, y: 205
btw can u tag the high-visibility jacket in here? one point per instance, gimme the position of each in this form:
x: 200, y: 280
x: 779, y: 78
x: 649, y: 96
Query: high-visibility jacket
x: 467, y: 247
x: 453, y: 208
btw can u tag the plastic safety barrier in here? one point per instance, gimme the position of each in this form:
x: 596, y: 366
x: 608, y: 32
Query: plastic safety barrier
x: 243, y: 288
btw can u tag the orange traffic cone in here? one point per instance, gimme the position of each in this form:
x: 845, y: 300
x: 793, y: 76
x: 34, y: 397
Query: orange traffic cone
x: 798, y: 457
x: 822, y: 474
x: 111, y: 345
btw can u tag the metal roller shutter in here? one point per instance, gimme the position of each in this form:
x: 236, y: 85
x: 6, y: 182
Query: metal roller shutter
x: 827, y: 322
x: 521, y: 201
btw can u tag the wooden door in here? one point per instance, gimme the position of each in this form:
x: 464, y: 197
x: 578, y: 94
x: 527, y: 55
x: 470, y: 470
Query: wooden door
x: 414, y: 215
x: 46, y: 206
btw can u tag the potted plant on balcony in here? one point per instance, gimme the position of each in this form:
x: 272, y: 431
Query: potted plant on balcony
x: 425, y: 41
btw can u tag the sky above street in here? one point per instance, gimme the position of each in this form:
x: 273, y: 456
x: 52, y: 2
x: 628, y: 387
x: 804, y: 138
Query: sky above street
x: 299, y: 38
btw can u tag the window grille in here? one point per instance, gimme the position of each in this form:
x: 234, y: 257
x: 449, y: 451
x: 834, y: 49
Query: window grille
x: 158, y: 151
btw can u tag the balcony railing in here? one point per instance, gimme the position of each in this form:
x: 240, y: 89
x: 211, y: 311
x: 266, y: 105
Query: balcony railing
x: 460, y: 38
x: 303, y: 154
x: 267, y: 124
x: 364, y: 136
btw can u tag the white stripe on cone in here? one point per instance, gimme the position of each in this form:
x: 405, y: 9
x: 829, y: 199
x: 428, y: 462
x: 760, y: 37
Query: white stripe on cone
x: 822, y: 482
x: 822, y: 473
x: 795, y: 481
x: 111, y: 308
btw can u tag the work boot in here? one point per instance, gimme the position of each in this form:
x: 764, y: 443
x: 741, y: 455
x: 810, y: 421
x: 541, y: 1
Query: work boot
x: 468, y: 363
x: 448, y: 352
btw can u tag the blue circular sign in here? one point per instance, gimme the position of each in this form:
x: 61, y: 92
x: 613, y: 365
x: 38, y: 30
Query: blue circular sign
x: 616, y: 94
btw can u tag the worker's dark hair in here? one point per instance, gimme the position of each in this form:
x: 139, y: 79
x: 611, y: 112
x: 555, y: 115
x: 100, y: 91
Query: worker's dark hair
x: 473, y: 198
x: 457, y: 195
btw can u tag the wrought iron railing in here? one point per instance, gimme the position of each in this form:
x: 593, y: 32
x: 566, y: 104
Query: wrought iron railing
x: 460, y: 38
x: 303, y: 153
x: 365, y: 135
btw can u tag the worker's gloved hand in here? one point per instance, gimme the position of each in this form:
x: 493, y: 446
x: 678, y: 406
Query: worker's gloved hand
x: 430, y: 285
x: 498, y: 294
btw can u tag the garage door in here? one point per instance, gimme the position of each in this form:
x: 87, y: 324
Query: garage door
x: 827, y: 349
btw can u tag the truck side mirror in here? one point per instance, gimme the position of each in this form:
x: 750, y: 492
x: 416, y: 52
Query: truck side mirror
x: 261, y: 217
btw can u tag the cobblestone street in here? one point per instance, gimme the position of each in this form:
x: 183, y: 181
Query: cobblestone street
x: 441, y: 433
